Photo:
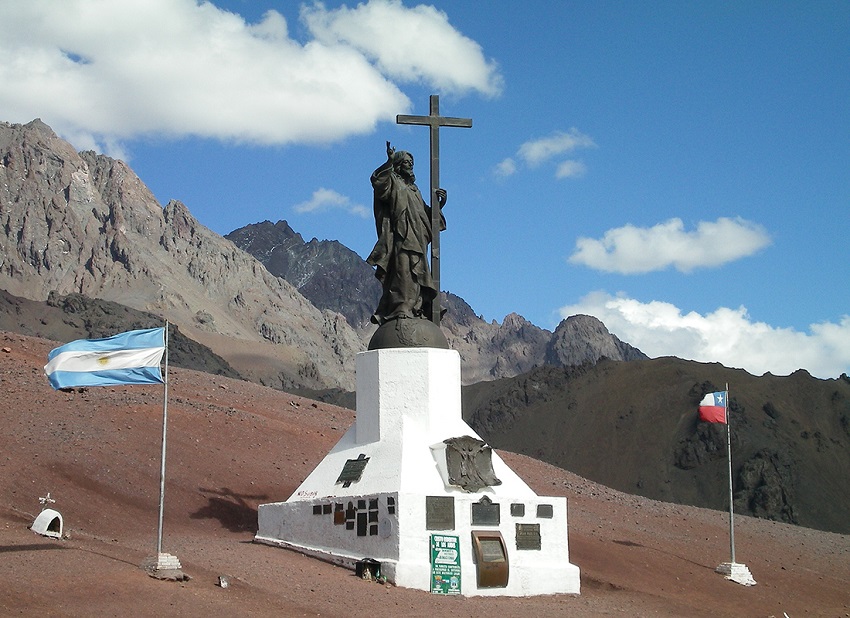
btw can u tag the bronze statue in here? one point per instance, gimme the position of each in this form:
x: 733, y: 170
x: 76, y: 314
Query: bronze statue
x: 404, y: 224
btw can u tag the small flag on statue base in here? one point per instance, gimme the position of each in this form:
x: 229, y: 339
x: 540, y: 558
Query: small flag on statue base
x: 736, y: 572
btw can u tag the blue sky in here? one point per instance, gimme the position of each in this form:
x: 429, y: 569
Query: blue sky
x: 678, y: 169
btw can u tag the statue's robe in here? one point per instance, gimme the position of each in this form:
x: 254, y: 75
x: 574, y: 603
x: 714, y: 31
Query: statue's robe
x: 403, y: 222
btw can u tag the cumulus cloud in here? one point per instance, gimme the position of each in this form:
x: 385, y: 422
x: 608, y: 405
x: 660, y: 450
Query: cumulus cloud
x: 539, y: 151
x: 633, y: 250
x: 401, y: 41
x: 570, y: 169
x: 505, y: 168
x: 328, y: 199
x: 101, y: 72
x: 725, y: 335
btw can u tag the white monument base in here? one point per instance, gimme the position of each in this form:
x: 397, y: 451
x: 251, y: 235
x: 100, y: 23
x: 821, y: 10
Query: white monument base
x: 384, y: 493
x: 736, y: 572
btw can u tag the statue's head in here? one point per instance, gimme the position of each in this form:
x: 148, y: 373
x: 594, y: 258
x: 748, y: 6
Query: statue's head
x: 403, y: 162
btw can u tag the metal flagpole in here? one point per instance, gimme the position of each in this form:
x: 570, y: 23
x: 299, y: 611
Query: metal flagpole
x: 729, y: 455
x: 164, y: 431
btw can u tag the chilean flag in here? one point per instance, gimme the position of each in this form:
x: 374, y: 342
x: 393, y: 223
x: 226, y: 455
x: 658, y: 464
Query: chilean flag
x: 712, y: 408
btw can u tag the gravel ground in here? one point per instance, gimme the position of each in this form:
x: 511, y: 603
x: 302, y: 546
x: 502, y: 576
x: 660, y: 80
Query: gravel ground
x: 234, y: 445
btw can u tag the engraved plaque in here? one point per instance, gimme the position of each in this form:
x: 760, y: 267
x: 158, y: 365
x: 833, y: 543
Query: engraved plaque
x: 491, y: 550
x: 544, y: 511
x: 352, y: 470
x: 469, y: 463
x: 439, y: 513
x: 485, y: 513
x: 518, y: 509
x: 528, y: 536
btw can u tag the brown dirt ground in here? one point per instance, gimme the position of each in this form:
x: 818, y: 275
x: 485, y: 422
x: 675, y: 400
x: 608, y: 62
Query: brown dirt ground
x: 234, y: 445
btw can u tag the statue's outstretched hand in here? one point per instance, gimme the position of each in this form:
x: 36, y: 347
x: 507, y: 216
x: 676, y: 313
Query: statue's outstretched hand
x: 442, y: 196
x: 390, y: 151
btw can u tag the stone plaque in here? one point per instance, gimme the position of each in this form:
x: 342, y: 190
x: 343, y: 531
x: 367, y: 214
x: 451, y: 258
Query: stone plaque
x: 528, y: 536
x: 439, y: 513
x: 352, y: 470
x: 485, y: 513
x: 544, y: 511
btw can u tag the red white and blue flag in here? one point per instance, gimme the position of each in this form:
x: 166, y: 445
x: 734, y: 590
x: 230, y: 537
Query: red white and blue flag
x: 712, y: 408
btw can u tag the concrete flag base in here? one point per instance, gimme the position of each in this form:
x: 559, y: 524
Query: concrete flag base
x: 736, y: 572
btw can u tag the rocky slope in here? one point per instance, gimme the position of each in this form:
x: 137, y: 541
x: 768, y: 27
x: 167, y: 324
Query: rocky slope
x: 234, y: 445
x: 634, y: 427
x: 85, y: 223
x: 335, y: 278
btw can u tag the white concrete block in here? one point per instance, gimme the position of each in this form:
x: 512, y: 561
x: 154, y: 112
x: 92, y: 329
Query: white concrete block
x: 408, y: 403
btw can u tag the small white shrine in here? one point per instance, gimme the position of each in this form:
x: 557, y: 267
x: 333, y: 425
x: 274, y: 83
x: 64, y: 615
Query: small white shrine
x: 413, y: 491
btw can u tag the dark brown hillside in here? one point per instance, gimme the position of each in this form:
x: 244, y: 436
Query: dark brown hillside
x: 65, y: 318
x: 633, y: 426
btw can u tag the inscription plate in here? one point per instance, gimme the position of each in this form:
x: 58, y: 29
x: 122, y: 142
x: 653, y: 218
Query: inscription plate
x: 439, y: 513
x: 544, y: 511
x: 485, y: 513
x: 352, y: 470
x: 528, y: 536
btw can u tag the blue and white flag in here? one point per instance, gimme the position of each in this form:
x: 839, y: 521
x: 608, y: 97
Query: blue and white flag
x: 127, y: 358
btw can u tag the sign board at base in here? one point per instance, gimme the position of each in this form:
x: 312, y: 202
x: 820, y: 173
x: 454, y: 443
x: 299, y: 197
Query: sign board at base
x: 445, y: 564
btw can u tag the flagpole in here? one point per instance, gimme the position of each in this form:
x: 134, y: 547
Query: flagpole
x: 164, y: 434
x: 729, y: 456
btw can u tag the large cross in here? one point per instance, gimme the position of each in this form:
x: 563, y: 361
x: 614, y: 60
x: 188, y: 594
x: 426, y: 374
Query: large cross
x: 435, y: 121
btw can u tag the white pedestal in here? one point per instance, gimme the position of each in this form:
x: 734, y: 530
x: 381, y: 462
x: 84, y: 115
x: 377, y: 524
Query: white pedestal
x: 736, y: 572
x: 408, y: 403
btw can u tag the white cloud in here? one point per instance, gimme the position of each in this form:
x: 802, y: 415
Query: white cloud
x: 728, y: 336
x: 570, y: 169
x: 100, y: 72
x: 328, y: 199
x: 505, y: 168
x: 632, y: 250
x: 408, y: 44
x: 537, y: 151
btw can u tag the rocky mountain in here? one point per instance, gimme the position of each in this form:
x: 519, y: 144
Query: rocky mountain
x: 326, y: 272
x: 85, y: 223
x: 335, y: 278
x: 634, y: 427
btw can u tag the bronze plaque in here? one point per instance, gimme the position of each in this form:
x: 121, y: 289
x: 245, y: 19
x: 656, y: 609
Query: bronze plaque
x: 544, y: 511
x: 352, y: 470
x: 485, y: 513
x: 528, y: 536
x: 439, y: 513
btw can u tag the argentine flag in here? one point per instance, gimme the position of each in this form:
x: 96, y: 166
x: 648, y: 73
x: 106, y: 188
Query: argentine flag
x: 127, y: 358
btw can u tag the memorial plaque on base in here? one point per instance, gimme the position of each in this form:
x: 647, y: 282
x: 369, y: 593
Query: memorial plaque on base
x: 528, y: 536
x: 439, y: 513
x: 352, y: 470
x: 485, y: 513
